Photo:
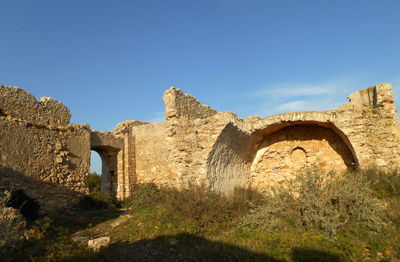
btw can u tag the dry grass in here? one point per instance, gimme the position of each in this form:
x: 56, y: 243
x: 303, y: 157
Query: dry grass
x: 352, y: 217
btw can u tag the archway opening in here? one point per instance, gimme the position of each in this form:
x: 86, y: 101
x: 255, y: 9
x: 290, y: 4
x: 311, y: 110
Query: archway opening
x: 99, y: 177
x: 94, y: 179
x: 106, y: 158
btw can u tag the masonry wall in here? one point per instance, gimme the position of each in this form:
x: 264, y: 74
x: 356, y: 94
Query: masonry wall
x: 228, y: 163
x: 48, y: 161
x: 19, y: 104
x: 154, y: 159
x: 174, y: 153
x: 365, y: 130
x: 196, y: 145
x: 178, y: 104
x: 372, y: 127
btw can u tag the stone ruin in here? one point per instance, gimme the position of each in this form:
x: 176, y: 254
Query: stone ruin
x: 47, y: 157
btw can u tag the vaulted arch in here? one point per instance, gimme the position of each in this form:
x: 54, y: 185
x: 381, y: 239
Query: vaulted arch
x: 110, y: 149
x: 255, y: 154
x: 282, y: 154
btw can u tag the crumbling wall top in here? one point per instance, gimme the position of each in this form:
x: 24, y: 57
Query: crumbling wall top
x: 17, y: 103
x: 125, y: 126
x: 178, y: 104
x: 374, y: 96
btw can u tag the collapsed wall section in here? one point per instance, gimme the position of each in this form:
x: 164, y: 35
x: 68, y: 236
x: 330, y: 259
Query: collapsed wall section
x: 17, y: 103
x: 48, y: 162
x: 174, y: 153
x: 178, y: 104
x: 370, y: 122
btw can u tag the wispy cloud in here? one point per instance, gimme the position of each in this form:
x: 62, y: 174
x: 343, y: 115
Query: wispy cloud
x: 293, y: 97
x: 308, y: 104
x: 292, y: 106
x: 282, y: 90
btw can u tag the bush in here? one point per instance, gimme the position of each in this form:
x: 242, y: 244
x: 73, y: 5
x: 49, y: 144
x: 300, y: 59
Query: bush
x: 143, y: 195
x: 204, y: 207
x: 195, y: 203
x: 315, y: 201
x: 385, y: 184
x: 93, y: 182
x: 97, y: 201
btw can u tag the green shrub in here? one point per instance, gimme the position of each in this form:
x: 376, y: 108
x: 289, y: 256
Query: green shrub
x: 385, y: 184
x: 315, y: 201
x: 195, y: 203
x: 198, y: 204
x: 93, y: 182
x: 143, y: 195
x: 204, y: 207
x: 97, y: 201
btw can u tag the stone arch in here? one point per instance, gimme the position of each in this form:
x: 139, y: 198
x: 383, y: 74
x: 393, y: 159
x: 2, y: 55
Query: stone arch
x: 230, y: 162
x: 281, y: 151
x: 273, y: 123
x: 111, y: 151
x: 109, y: 168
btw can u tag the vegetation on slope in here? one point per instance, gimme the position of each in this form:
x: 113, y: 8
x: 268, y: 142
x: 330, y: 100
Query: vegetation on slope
x: 333, y: 217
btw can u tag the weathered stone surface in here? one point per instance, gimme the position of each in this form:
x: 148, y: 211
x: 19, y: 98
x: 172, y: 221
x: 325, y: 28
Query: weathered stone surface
x: 195, y: 145
x: 12, y: 222
x: 18, y: 103
x: 98, y: 243
x: 30, y: 151
x: 178, y: 104
x: 284, y: 153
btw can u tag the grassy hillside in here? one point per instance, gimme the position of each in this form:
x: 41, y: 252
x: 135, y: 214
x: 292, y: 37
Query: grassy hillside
x: 334, y: 217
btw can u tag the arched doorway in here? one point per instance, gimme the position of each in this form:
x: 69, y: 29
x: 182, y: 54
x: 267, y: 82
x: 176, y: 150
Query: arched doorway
x: 94, y: 180
x: 283, y: 153
x: 107, y: 156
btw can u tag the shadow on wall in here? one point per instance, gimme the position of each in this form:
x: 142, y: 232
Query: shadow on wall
x: 186, y: 247
x: 227, y: 165
x: 51, y: 197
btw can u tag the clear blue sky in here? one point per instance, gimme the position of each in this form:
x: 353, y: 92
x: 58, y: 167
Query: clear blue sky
x: 110, y: 61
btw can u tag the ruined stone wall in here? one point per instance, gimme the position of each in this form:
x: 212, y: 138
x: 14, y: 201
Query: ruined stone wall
x: 178, y: 104
x: 174, y: 153
x: 154, y: 160
x: 48, y: 161
x: 42, y: 153
x: 364, y: 132
x: 227, y: 161
x: 17, y: 103
x: 372, y: 128
x: 110, y: 147
x: 127, y: 161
